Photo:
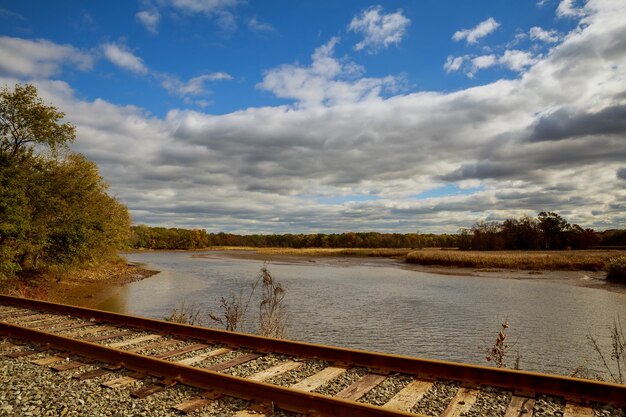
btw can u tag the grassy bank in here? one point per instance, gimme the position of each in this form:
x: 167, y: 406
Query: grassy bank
x: 365, y: 252
x: 81, y: 286
x: 587, y: 260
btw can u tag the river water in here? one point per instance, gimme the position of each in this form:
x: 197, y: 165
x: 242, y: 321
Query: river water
x: 381, y: 305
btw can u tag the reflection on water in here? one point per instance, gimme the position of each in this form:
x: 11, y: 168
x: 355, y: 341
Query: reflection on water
x: 377, y: 305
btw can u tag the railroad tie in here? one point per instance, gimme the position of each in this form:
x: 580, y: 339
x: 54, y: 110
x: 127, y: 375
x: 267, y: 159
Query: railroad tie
x: 233, y: 362
x: 520, y: 406
x: 409, y: 395
x: 96, y: 373
x: 134, y: 341
x: 124, y: 380
x: 68, y: 366
x: 108, y: 336
x: 195, y: 403
x: 361, y: 386
x: 48, y: 360
x: 275, y: 371
x: 461, y: 403
x: 317, y: 380
x: 199, y: 358
x: 576, y: 410
x: 181, y: 351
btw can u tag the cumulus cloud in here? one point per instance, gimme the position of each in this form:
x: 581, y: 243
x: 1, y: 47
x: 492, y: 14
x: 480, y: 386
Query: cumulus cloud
x: 379, y: 30
x: 551, y: 138
x: 25, y: 58
x: 150, y: 19
x: 516, y: 60
x: 327, y: 81
x: 481, y: 30
x: 537, y: 33
x: 121, y: 56
x: 567, y: 8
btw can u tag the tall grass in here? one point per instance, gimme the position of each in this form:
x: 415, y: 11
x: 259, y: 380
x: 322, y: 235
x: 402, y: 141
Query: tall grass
x: 527, y: 260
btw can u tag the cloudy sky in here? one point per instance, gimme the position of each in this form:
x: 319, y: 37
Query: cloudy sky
x: 262, y: 116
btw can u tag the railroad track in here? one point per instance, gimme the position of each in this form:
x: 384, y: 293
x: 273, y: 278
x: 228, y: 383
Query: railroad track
x: 273, y: 374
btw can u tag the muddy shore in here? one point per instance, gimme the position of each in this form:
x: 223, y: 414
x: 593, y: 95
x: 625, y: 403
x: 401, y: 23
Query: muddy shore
x: 90, y: 287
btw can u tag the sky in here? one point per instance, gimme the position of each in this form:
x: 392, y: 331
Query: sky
x: 250, y: 116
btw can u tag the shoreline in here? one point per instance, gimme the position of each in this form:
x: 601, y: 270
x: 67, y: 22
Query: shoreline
x: 579, y: 278
x: 89, y: 288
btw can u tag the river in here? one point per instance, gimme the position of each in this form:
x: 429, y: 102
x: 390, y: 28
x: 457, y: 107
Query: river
x: 381, y: 305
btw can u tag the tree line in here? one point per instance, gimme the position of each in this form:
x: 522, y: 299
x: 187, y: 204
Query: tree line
x: 512, y: 234
x: 54, y: 206
x: 145, y: 237
x: 549, y: 231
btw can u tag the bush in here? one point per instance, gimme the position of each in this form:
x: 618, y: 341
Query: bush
x: 616, y: 269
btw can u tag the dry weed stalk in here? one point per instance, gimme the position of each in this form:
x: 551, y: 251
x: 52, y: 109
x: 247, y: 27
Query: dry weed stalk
x: 272, y: 314
x: 498, y: 352
x: 186, y: 315
x: 233, y: 311
x: 615, y: 362
x: 271, y: 308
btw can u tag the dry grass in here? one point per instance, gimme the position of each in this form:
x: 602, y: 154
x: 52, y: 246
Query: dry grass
x: 364, y: 252
x: 589, y: 260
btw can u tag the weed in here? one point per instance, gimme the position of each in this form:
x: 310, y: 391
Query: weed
x: 501, y: 347
x: 614, y: 361
x: 616, y: 269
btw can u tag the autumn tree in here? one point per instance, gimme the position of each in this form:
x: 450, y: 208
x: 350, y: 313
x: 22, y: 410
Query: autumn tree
x: 54, y: 206
x: 26, y: 121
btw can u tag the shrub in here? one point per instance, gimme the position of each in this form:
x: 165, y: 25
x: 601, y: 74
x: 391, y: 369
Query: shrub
x: 616, y: 269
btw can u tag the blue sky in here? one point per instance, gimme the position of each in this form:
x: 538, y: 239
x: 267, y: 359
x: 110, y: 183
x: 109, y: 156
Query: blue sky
x: 266, y: 116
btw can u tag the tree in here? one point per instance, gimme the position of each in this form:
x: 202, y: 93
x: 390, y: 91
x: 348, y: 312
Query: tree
x: 26, y: 121
x: 553, y: 228
x: 54, y: 207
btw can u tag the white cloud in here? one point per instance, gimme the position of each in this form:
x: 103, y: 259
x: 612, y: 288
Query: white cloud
x: 193, y: 87
x: 379, y: 30
x: 481, y: 30
x: 453, y: 63
x: 516, y: 60
x: 550, y: 139
x: 567, y: 8
x: 537, y: 33
x: 513, y: 59
x: 484, y: 61
x: 123, y: 58
x: 327, y: 81
x: 150, y: 19
x: 39, y: 58
x: 256, y: 25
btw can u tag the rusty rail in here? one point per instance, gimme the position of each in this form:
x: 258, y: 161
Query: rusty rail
x: 520, y: 381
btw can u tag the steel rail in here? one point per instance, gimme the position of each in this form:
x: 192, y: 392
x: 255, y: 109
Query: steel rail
x: 283, y: 398
x: 573, y: 389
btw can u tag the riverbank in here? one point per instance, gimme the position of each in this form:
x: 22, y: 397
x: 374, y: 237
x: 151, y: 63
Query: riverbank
x: 536, y: 266
x: 85, y: 287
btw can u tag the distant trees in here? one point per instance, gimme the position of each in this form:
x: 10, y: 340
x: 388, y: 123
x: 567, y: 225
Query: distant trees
x: 174, y: 238
x: 54, y: 208
x: 548, y: 231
